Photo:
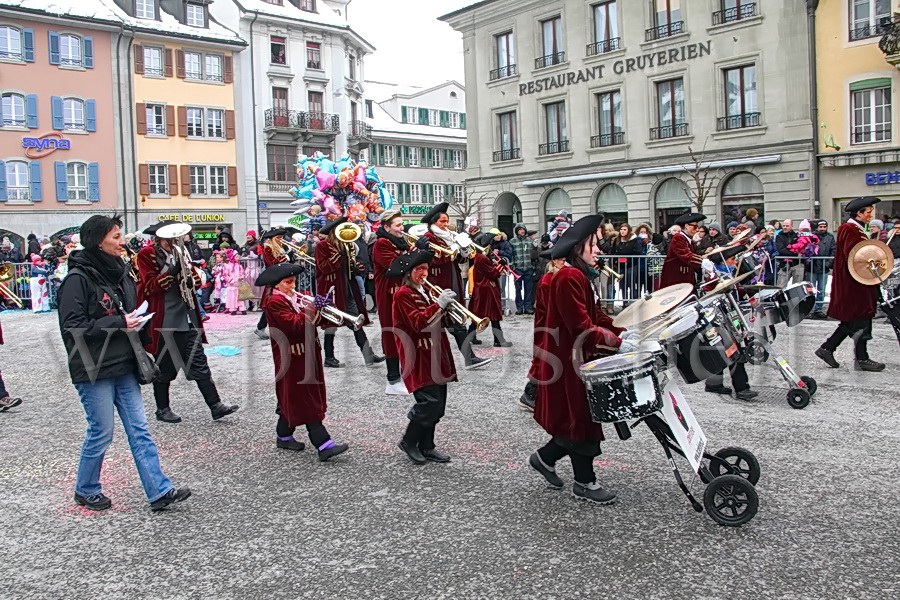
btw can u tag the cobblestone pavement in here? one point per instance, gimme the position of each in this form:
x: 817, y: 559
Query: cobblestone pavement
x: 266, y: 523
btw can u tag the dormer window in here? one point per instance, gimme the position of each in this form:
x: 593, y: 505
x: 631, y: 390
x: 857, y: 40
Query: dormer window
x: 145, y: 9
x: 308, y: 5
x: 195, y: 15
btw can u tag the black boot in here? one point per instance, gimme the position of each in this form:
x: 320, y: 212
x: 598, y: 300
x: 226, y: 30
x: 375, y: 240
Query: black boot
x: 161, y: 394
x: 410, y: 443
x: 368, y: 354
x: 499, y: 340
x: 330, y: 360
x: 211, y: 396
x: 528, y: 396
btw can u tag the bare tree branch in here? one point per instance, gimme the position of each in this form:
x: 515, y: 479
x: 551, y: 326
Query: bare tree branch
x: 469, y: 205
x: 703, y: 179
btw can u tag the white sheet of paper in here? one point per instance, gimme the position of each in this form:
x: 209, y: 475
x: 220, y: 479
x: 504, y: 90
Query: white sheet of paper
x: 141, y: 309
x: 144, y: 320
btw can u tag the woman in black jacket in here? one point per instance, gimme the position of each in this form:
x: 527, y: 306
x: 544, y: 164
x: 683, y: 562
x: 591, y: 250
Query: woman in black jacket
x: 99, y: 330
x: 626, y: 244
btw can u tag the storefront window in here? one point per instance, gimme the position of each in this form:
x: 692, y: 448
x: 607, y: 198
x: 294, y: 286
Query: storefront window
x: 742, y: 192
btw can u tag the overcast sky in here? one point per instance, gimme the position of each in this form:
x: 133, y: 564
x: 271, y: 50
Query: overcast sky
x: 413, y: 47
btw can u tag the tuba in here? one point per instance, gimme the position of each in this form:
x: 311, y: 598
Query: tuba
x: 347, y: 234
x: 8, y: 273
x: 175, y: 233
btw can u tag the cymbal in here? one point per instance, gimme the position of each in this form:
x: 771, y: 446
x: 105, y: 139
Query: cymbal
x: 744, y: 234
x: 727, y: 284
x: 758, y: 287
x: 870, y: 262
x: 656, y: 304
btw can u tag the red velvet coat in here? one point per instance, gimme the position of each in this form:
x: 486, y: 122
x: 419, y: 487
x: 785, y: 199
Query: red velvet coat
x: 384, y: 252
x: 561, y: 405
x: 444, y: 271
x: 149, y: 289
x: 269, y: 259
x: 331, y: 270
x: 300, y: 377
x: 850, y: 300
x: 681, y: 262
x: 541, y: 298
x: 425, y: 357
x: 485, y: 300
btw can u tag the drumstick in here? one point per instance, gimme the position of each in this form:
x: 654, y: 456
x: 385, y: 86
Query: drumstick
x: 659, y: 324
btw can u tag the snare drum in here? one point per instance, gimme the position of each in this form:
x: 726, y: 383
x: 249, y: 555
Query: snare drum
x: 698, y: 345
x: 622, y: 387
x: 747, y: 264
x: 768, y: 307
x: 795, y: 302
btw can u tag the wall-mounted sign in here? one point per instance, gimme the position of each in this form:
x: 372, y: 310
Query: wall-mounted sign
x: 882, y: 178
x: 619, y: 67
x: 47, y: 144
x: 201, y: 218
x: 415, y: 209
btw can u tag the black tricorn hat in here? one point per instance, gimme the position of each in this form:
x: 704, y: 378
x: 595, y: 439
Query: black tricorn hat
x: 330, y: 225
x: 435, y: 212
x: 857, y: 204
x: 276, y: 273
x: 405, y: 263
x: 545, y: 254
x: 574, y: 235
x: 153, y: 228
x: 272, y: 233
x: 689, y: 218
x: 721, y: 257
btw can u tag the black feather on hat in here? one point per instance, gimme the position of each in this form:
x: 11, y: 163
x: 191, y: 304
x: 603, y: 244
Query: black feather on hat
x: 277, y: 273
x: 153, y: 228
x: 435, y: 212
x: 574, y: 235
x: 272, y: 233
x: 858, y: 204
x: 405, y: 263
x: 330, y: 225
x: 689, y: 218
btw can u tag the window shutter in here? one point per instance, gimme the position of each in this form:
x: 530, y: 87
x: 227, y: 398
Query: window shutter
x: 179, y: 64
x: 182, y: 121
x: 429, y: 193
x: 448, y: 159
x: 140, y: 110
x: 228, y: 71
x: 87, y: 44
x: 37, y: 188
x: 54, y: 47
x: 229, y: 124
x: 62, y: 186
x: 426, y: 157
x: 169, y: 63
x: 56, y: 112
x: 465, y: 158
x: 144, y: 179
x: 232, y: 181
x: 2, y: 181
x: 173, y: 180
x: 423, y: 116
x: 448, y: 191
x: 28, y: 44
x: 31, y: 111
x: 462, y: 120
x: 90, y: 115
x: 138, y: 59
x: 445, y: 118
x: 94, y: 182
x: 185, y: 180
x: 170, y: 120
x: 403, y: 118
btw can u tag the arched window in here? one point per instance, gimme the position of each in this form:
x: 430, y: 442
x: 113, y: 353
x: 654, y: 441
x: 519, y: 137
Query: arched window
x: 672, y: 199
x: 613, y: 204
x: 556, y: 201
x: 77, y: 181
x: 741, y: 192
x: 13, y: 110
x: 73, y: 114
x: 70, y: 50
x: 18, y: 186
x: 10, y: 43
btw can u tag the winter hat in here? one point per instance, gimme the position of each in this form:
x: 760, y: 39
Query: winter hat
x: 877, y: 223
x: 715, y: 225
x: 545, y: 239
x: 732, y: 224
x: 251, y: 233
x: 804, y: 225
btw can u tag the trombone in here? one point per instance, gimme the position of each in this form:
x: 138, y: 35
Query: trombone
x: 413, y: 235
x: 8, y: 273
x: 332, y: 314
x: 457, y: 311
x: 300, y: 251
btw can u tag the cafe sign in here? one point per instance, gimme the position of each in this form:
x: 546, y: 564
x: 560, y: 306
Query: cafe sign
x: 199, y: 218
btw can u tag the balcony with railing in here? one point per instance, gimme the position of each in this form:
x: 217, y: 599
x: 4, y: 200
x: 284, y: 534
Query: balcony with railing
x: 553, y: 148
x: 668, y: 131
x: 729, y: 15
x: 550, y: 60
x: 608, y: 139
x: 510, y: 154
x: 13, y: 121
x: 602, y: 47
x: 870, y: 31
x: 359, y: 129
x: 297, y: 120
x: 507, y: 71
x: 870, y: 136
x: 741, y: 121
x: 10, y: 55
x: 664, y: 31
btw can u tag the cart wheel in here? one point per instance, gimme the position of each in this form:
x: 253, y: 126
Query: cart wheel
x: 736, y: 461
x: 798, y: 398
x: 731, y: 500
x: 810, y: 384
x: 756, y: 353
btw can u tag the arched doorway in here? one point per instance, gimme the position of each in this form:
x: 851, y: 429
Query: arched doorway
x: 554, y: 202
x: 613, y: 204
x: 507, y: 212
x: 14, y: 238
x: 671, y: 199
x: 741, y: 192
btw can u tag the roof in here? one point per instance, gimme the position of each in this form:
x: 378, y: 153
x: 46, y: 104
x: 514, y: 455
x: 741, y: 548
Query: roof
x: 381, y: 91
x: 80, y: 9
x: 465, y: 9
x: 383, y: 122
x: 169, y: 24
x: 326, y: 16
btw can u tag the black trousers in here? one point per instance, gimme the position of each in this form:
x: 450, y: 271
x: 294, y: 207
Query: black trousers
x: 463, y: 340
x: 359, y: 335
x: 431, y: 402
x: 183, y: 352
x: 3, y: 392
x: 860, y: 331
x: 496, y: 329
x: 316, y: 431
x: 393, y: 370
x: 739, y: 378
x: 582, y: 463
x: 263, y: 322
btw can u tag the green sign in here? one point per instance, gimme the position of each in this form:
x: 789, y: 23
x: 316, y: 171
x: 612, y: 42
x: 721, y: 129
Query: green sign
x: 414, y: 209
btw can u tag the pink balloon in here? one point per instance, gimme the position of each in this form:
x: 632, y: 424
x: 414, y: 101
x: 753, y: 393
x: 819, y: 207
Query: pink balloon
x: 325, y: 179
x: 331, y: 206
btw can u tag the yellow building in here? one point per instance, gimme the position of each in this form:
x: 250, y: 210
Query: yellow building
x: 857, y: 90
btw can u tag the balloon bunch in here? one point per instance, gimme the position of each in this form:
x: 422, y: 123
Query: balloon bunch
x: 328, y: 190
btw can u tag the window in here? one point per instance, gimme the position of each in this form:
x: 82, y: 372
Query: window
x: 156, y: 119
x: 413, y: 156
x: 281, y: 161
x: 438, y: 162
x: 195, y: 15
x: 556, y: 201
x: 313, y: 55
x: 415, y: 192
x: 308, y: 5
x: 275, y: 2
x: 218, y: 181
x: 458, y: 192
x: 213, y: 68
x: 391, y: 189
x: 388, y: 155
x: 193, y: 65
x: 159, y: 179
x: 70, y: 50
x: 609, y: 120
x: 18, y: 185
x: 741, y: 192
x: 669, y: 110
x: 153, y: 61
x: 741, y: 107
x: 370, y: 110
x: 552, y: 43
x: 316, y: 102
x: 667, y: 21
x: 10, y: 43
x: 506, y: 56
x: 734, y: 10
x: 195, y: 122
x: 203, y: 67
x: 612, y: 203
x: 198, y: 180
x: 672, y: 198
x: 76, y: 180
x: 351, y: 67
x: 434, y: 117
x: 145, y: 9
x: 458, y: 159
x: 13, y: 110
x: 279, y: 50
x: 73, y: 114
x: 556, y: 135
x: 871, y: 115
x: 606, y: 29
x: 509, y: 138
x: 866, y: 18
x: 215, y: 123
x: 454, y: 120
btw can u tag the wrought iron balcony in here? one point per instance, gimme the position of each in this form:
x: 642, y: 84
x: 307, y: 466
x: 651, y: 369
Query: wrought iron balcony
x: 602, y: 47
x: 870, y: 136
x: 870, y: 31
x: 275, y: 187
x: 553, y: 147
x: 9, y: 54
x: 668, y: 131
x: 737, y: 121
x: 511, y: 154
x: 608, y: 139
x: 890, y: 42
x: 550, y: 60
x: 360, y: 129
x: 153, y: 71
x: 664, y: 31
x: 507, y: 71
x: 13, y: 122
x: 302, y: 120
x: 744, y: 11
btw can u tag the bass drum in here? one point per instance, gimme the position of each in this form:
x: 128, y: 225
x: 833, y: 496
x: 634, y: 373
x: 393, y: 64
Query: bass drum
x: 698, y: 346
x: 623, y: 387
x: 747, y: 264
x: 767, y: 307
x: 795, y: 302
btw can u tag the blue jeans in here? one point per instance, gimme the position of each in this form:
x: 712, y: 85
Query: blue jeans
x: 361, y: 282
x: 100, y: 400
x: 820, y: 280
x: 524, y: 301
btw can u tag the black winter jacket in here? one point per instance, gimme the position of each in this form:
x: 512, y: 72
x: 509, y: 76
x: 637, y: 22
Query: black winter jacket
x: 826, y: 248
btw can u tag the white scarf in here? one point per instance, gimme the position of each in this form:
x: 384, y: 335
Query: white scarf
x: 444, y: 234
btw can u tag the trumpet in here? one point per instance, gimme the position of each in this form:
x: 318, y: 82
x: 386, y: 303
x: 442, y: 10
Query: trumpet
x: 175, y: 234
x: 413, y: 235
x: 606, y: 269
x: 300, y: 251
x: 468, y: 246
x: 8, y: 273
x: 457, y: 311
x: 506, y: 267
x: 332, y: 314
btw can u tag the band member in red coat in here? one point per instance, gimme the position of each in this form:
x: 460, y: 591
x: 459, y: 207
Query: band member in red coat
x: 852, y: 303
x: 424, y: 353
x: 300, y: 377
x: 445, y: 273
x: 485, y: 300
x: 389, y: 245
x: 176, y: 331
x: 336, y: 268
x: 6, y: 401
x: 272, y: 254
x: 682, y: 263
x: 583, y: 332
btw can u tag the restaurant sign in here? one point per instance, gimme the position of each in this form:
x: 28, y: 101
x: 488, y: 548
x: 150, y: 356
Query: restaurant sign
x: 198, y: 218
